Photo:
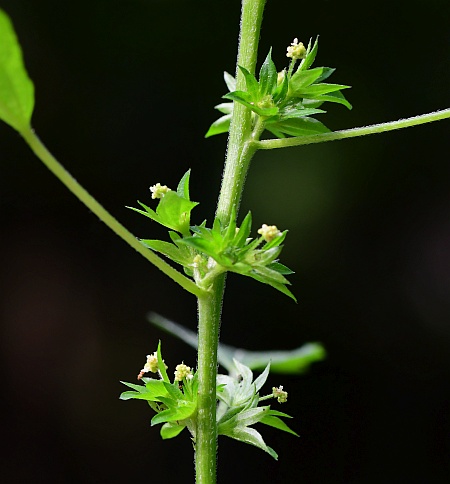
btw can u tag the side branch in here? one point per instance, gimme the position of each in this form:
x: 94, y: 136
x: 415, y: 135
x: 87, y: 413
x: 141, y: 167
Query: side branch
x: 352, y: 133
x: 87, y: 199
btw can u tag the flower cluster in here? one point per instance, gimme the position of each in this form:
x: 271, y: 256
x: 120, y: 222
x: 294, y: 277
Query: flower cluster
x: 158, y: 190
x: 151, y: 365
x: 279, y: 394
x: 269, y: 232
x: 183, y: 371
x: 296, y: 50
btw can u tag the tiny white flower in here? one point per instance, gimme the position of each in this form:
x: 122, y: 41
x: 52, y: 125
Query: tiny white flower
x: 183, y: 371
x: 280, y: 394
x: 158, y: 190
x: 269, y: 232
x: 296, y: 50
x: 151, y: 365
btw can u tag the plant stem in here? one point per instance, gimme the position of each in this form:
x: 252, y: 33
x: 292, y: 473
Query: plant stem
x: 85, y: 197
x: 209, y: 309
x: 354, y: 132
x: 239, y: 153
x: 240, y: 149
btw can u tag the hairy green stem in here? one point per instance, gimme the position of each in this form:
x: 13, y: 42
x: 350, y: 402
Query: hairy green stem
x: 85, y: 197
x: 239, y: 153
x: 209, y: 309
x: 240, y: 150
x: 354, y: 132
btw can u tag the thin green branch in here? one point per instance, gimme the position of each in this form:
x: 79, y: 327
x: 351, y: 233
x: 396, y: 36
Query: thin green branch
x: 85, y: 197
x: 352, y: 133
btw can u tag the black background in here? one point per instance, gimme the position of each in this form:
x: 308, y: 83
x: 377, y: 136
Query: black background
x: 124, y: 95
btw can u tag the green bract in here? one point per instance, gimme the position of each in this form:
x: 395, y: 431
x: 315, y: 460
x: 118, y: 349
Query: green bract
x: 206, y: 252
x: 175, y: 404
x: 238, y: 408
x: 284, y: 101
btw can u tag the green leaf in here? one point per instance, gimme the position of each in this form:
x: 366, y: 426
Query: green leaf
x: 137, y: 388
x: 281, y: 268
x: 268, y: 76
x: 161, y: 365
x: 315, y: 90
x: 299, y: 126
x: 221, y: 125
x: 250, y: 82
x: 244, y: 418
x: 326, y: 73
x: 16, y: 88
x: 280, y: 92
x: 276, y: 285
x: 276, y: 241
x: 259, y: 382
x: 253, y: 437
x: 208, y: 247
x: 303, y: 79
x: 230, y: 81
x: 171, y: 429
x: 244, y: 98
x: 182, y: 411
x: 169, y: 250
x: 174, y: 212
x: 153, y: 390
x: 294, y: 112
x: 293, y: 361
x: 183, y: 186
x: 225, y: 108
x: 277, y: 423
x: 310, y: 56
x: 244, y: 231
x: 334, y: 97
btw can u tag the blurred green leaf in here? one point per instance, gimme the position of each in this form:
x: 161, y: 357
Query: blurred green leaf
x: 16, y: 88
x: 288, y: 362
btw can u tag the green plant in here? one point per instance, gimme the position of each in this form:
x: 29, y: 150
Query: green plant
x: 206, y: 252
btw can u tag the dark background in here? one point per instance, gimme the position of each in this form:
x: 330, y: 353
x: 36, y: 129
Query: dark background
x: 124, y: 95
